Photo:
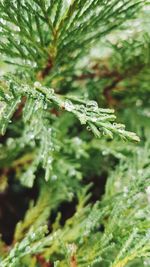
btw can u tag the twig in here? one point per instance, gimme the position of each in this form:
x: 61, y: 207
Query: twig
x: 42, y: 74
x: 73, y: 262
x: 42, y: 261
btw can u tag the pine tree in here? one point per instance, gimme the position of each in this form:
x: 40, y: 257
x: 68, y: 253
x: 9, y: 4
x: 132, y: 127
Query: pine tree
x: 81, y: 178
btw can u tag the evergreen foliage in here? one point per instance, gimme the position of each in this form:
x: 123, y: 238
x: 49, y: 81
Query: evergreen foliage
x: 67, y: 68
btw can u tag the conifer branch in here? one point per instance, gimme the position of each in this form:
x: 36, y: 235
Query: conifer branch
x: 100, y: 118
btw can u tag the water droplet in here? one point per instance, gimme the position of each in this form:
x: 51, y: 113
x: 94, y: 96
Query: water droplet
x: 31, y: 135
x: 27, y: 248
x: 140, y: 214
x: 37, y: 84
x: 54, y: 177
x: 10, y: 141
x: 148, y: 193
x: 104, y: 152
x: 8, y: 97
x: 125, y: 190
x: 119, y: 126
x: 77, y: 141
x: 56, y: 263
x: 71, y: 248
x: 70, y: 195
x: 88, y: 128
x: 117, y: 185
x: 94, y: 119
x: 34, y: 64
x: 83, y: 118
x: 33, y: 235
x: 92, y: 105
x: 68, y: 105
x: 16, y: 28
x: 50, y: 160
x: 72, y: 172
x: 45, y: 106
x: 51, y: 91
x: 97, y: 260
x: 139, y: 103
x: 2, y: 21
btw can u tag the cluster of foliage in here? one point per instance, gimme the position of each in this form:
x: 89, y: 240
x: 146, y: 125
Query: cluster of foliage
x: 66, y: 66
